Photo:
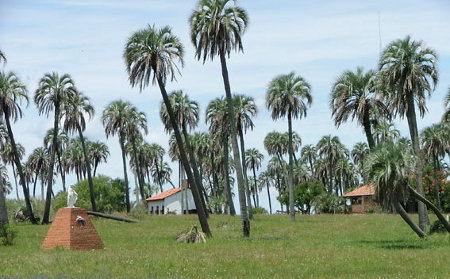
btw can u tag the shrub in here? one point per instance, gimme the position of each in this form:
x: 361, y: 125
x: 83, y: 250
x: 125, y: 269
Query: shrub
x: 259, y: 210
x: 191, y: 235
x: 330, y: 203
x: 109, y: 195
x: 7, y: 235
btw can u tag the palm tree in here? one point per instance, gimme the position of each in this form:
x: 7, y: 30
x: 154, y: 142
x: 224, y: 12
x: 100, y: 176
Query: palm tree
x: 150, y: 54
x: 62, y: 140
x: 217, y: 115
x: 435, y: 144
x: 389, y: 166
x: 52, y: 94
x: 244, y: 109
x: 353, y: 95
x: 276, y: 168
x: 289, y: 95
x: 332, y: 149
x: 38, y: 162
x: 253, y: 160
x: 216, y: 29
x: 385, y: 131
x: 7, y: 155
x: 409, y: 69
x: 115, y: 119
x: 74, y: 111
x: 275, y: 144
x: 265, y: 178
x: 309, y: 154
x: 186, y: 113
x: 98, y: 152
x: 3, y: 190
x: 359, y: 153
x: 137, y: 122
x: 12, y: 92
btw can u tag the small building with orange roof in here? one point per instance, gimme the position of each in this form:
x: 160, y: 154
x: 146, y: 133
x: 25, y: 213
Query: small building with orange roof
x: 362, y: 198
x: 175, y: 201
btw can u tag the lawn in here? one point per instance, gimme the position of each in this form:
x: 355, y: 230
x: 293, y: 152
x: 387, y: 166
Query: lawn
x: 321, y: 246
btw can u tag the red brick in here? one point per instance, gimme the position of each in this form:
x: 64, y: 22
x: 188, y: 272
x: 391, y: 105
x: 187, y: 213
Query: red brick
x: 66, y: 232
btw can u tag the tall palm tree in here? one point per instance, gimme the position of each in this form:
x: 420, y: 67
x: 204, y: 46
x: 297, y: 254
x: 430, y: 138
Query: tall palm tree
x: 52, y: 94
x: 409, y: 69
x: 62, y: 140
x: 137, y: 122
x: 217, y: 115
x: 253, y: 159
x: 276, y: 168
x: 265, y: 178
x: 359, y: 153
x: 7, y: 155
x: 74, y: 112
x: 244, y: 109
x: 435, y: 144
x: 216, y: 28
x: 152, y: 53
x: 38, y: 162
x: 99, y: 152
x: 12, y: 92
x: 289, y: 95
x: 390, y: 166
x: 309, y: 154
x: 353, y: 95
x: 186, y: 113
x: 115, y: 119
x: 330, y: 148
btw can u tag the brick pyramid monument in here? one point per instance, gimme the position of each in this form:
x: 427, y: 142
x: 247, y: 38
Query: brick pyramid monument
x: 72, y: 228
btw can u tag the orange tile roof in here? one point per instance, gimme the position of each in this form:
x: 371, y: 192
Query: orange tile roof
x: 164, y: 194
x: 365, y: 190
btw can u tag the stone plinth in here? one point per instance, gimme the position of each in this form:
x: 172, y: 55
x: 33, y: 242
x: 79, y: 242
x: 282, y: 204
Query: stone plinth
x: 65, y: 231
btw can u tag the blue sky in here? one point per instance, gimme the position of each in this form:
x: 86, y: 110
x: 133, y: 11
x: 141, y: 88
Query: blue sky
x: 316, y: 39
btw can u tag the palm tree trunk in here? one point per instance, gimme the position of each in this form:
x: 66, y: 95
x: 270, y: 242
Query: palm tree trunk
x: 138, y: 170
x: 35, y: 181
x: 408, y: 220
x: 268, y: 195
x: 412, y: 124
x: 194, y: 167
x: 88, y: 167
x: 95, y: 167
x: 234, y: 143
x: 230, y: 202
x: 368, y: 130
x: 48, y: 199
x: 195, y: 191
x: 291, y: 170
x: 3, y: 211
x: 244, y: 171
x: 61, y: 171
x: 15, y: 181
x: 438, y: 201
x: 330, y: 186
x: 125, y: 175
x: 26, y: 194
x: 431, y: 205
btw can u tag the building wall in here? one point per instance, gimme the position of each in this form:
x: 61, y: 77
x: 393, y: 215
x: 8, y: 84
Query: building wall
x: 173, y: 203
x: 155, y: 206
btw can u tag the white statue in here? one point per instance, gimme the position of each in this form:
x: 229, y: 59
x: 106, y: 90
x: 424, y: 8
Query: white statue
x: 71, y: 197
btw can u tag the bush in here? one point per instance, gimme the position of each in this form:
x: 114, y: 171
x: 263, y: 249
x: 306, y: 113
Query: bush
x: 7, y: 235
x: 304, y: 195
x: 109, y: 195
x: 330, y: 203
x: 259, y: 210
x: 437, y: 227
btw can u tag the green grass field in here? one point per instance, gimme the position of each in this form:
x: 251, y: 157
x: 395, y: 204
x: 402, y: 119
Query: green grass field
x: 321, y: 246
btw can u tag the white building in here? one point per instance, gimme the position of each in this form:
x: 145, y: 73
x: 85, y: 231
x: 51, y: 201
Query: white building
x: 172, y: 201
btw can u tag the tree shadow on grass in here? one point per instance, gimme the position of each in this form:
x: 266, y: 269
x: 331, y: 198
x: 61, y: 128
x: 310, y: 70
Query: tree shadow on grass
x: 394, y: 244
